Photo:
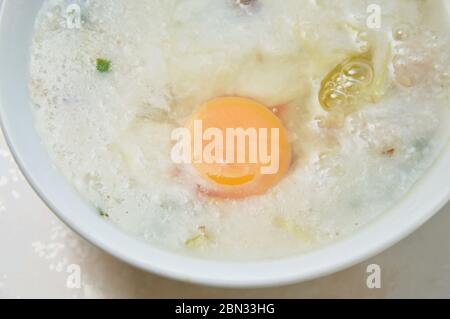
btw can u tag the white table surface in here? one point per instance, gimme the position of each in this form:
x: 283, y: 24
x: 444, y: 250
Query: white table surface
x: 36, y: 250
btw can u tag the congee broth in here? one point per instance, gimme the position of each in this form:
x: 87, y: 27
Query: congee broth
x: 136, y: 101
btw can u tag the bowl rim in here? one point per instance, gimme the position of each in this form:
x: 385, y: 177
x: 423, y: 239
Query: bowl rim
x: 263, y: 273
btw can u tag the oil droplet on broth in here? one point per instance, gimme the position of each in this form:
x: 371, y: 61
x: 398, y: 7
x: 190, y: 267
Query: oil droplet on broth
x: 347, y: 85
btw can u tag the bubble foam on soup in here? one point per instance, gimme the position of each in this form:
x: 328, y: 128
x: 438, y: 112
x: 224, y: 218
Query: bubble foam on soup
x: 366, y: 112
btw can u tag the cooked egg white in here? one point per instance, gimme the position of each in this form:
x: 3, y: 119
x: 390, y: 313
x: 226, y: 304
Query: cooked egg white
x: 365, y: 112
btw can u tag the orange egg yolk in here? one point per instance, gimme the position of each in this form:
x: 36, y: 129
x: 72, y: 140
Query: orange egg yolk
x: 255, y: 151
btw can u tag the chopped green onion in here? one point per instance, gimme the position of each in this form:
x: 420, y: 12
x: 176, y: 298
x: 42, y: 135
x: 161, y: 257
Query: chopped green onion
x: 102, y: 213
x: 103, y: 65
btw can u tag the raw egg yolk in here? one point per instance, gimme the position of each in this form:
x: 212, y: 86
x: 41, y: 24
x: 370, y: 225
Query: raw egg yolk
x: 249, y: 164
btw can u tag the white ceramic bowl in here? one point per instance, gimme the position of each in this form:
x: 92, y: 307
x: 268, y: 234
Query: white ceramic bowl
x: 17, y: 19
